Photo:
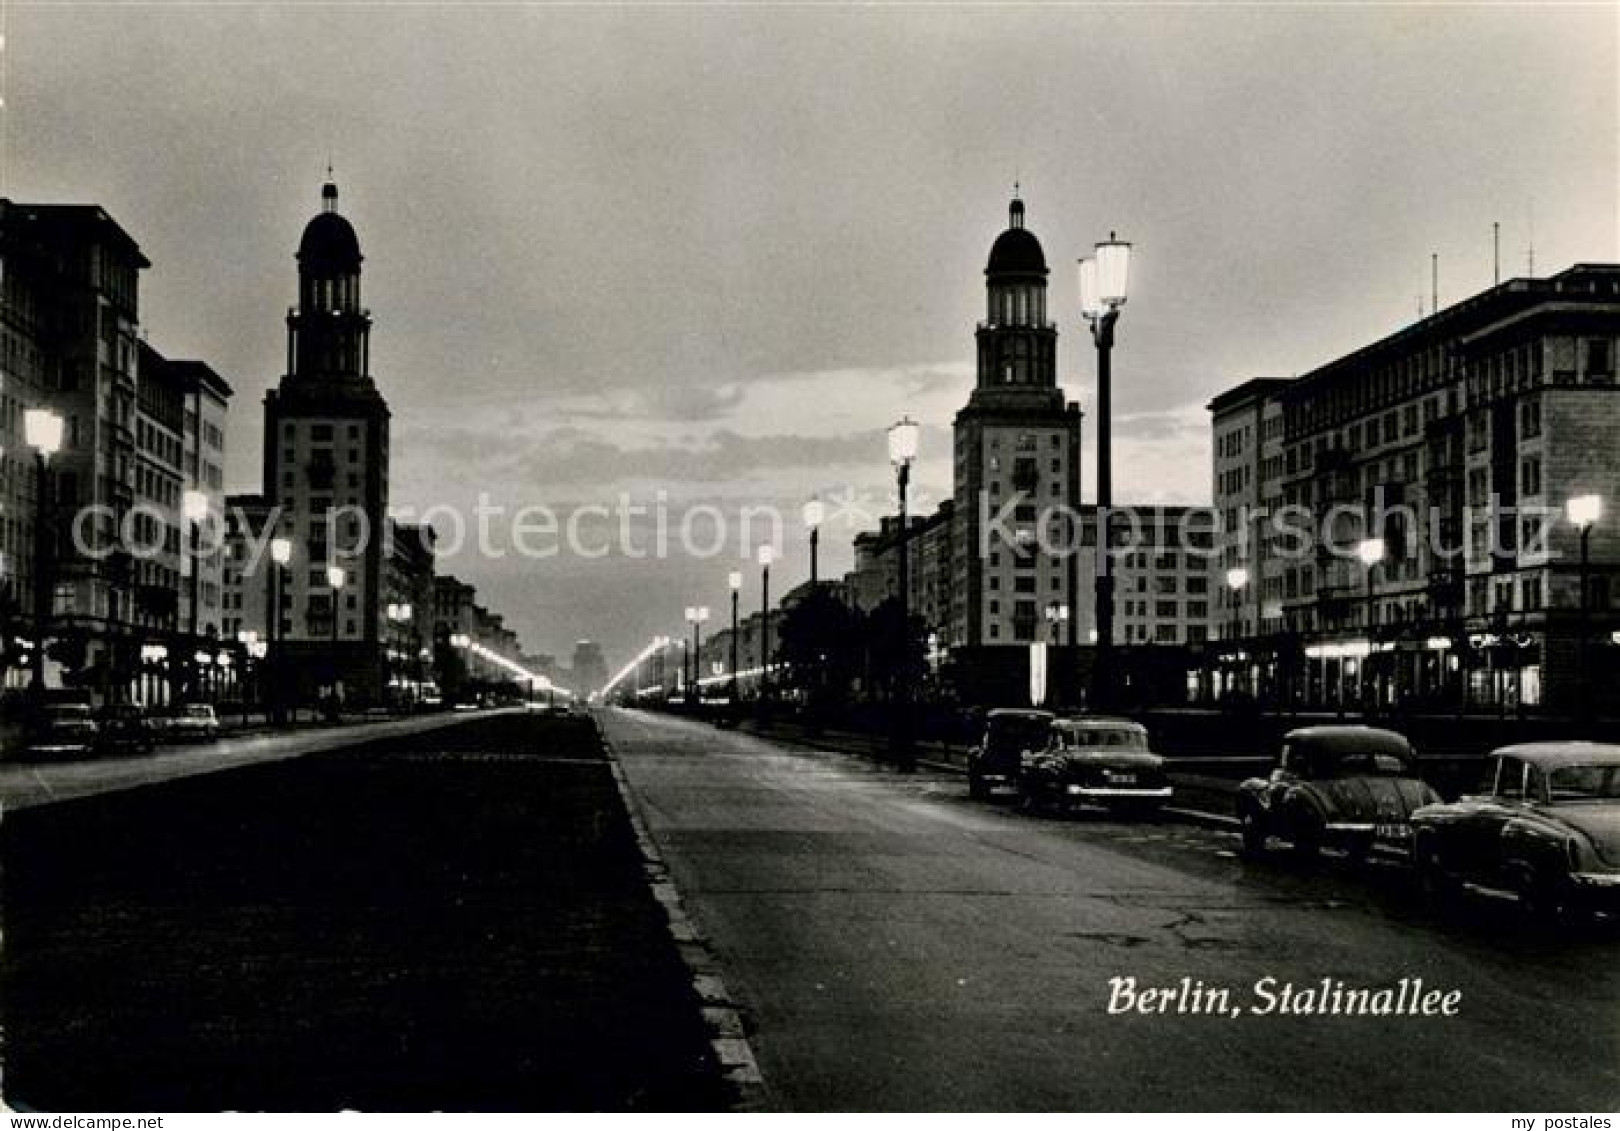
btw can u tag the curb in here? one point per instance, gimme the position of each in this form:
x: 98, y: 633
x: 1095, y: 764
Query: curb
x: 722, y: 1016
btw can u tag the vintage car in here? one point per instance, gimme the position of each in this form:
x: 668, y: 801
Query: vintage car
x: 125, y: 729
x: 191, y: 722
x: 1547, y: 829
x: 1008, y: 733
x: 61, y: 730
x: 1095, y: 760
x: 1347, y: 787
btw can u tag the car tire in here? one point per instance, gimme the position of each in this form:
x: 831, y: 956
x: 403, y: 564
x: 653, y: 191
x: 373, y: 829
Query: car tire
x: 1253, y: 832
x: 1434, y: 883
x: 1306, y: 837
x: 1544, y: 896
x: 978, y: 788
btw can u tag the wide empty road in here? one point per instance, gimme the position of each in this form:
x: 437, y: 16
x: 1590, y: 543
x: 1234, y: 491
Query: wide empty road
x: 896, y: 946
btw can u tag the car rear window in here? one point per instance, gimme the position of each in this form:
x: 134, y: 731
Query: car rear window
x: 1584, y: 783
x: 1122, y: 739
x: 1017, y: 734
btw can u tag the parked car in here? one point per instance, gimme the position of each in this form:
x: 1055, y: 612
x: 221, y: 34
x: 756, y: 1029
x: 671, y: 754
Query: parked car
x: 1096, y: 760
x: 1008, y: 733
x: 192, y: 722
x: 125, y: 729
x: 1343, y: 786
x: 61, y: 730
x: 1547, y: 829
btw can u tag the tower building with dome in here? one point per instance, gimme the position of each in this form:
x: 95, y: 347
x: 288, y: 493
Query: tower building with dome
x: 326, y: 469
x: 1017, y: 456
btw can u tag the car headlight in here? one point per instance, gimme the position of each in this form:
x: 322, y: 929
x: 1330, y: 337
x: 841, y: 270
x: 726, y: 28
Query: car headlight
x: 1074, y: 789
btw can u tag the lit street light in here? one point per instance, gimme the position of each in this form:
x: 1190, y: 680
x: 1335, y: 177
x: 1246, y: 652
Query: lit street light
x: 735, y: 581
x: 904, y: 436
x: 1103, y: 283
x: 1057, y: 615
x: 1370, y: 552
x: 766, y: 555
x: 1237, y: 580
x: 1583, y: 513
x: 42, y: 430
x: 696, y: 616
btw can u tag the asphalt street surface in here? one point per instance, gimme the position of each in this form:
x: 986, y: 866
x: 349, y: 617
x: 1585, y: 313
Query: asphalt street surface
x: 897, y: 946
x: 445, y: 919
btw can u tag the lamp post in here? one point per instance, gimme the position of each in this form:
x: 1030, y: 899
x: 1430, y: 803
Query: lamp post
x: 42, y: 430
x: 765, y: 555
x: 696, y: 615
x: 734, y: 580
x: 335, y: 578
x: 1371, y: 552
x: 903, y: 440
x: 1237, y: 580
x: 1103, y: 282
x: 1584, y: 512
x: 280, y: 556
x: 253, y: 649
x: 815, y: 512
x: 194, y: 509
x: 1057, y: 615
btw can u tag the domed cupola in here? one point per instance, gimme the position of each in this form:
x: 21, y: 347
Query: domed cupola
x: 328, y: 331
x: 1017, y: 345
x: 329, y: 246
x: 1016, y: 251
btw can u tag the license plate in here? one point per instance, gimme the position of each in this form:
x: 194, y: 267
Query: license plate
x: 1122, y: 779
x: 1393, y: 832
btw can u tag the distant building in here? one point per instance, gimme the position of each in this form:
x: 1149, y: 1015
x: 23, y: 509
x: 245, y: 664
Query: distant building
x: 590, y: 671
x: 409, y: 616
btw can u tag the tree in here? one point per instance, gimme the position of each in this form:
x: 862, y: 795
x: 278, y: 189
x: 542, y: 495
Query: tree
x: 820, y: 641
x: 895, y: 647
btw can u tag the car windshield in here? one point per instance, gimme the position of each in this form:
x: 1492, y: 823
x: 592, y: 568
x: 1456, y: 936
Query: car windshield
x: 66, y: 713
x: 1584, y: 783
x: 1122, y: 738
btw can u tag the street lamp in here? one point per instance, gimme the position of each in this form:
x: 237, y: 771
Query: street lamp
x: 334, y: 581
x: 735, y: 581
x: 42, y: 430
x: 1370, y: 551
x: 696, y: 616
x: 765, y: 556
x: 815, y: 513
x: 1237, y: 580
x: 1583, y: 513
x: 903, y: 442
x: 1057, y: 615
x: 1103, y: 284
